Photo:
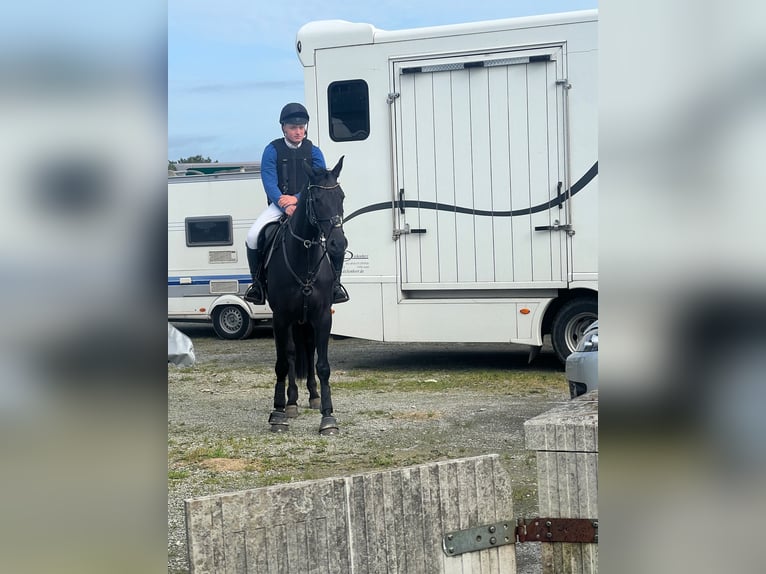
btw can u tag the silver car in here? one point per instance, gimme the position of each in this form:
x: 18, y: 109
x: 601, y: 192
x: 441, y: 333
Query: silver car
x: 582, y: 365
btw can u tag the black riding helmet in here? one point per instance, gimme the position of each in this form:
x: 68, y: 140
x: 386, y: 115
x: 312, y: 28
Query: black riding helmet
x: 294, y: 114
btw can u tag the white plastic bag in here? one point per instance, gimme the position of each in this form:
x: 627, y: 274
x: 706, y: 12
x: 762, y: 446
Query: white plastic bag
x: 180, y: 348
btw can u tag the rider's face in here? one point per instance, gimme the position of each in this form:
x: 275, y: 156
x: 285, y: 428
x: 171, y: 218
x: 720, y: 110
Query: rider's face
x: 294, y: 132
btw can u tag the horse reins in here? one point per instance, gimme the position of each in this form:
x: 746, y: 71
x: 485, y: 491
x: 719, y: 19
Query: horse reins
x: 336, y: 221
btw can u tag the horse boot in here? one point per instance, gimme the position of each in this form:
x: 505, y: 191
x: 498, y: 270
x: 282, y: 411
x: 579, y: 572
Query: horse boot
x: 339, y: 293
x: 255, y: 293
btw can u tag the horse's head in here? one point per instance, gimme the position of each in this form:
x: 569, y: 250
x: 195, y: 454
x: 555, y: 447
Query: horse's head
x: 324, y: 205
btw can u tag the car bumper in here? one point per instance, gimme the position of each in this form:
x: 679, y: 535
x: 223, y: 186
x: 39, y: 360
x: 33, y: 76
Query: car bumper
x: 582, y: 368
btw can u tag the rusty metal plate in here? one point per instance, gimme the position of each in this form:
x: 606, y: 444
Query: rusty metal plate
x: 579, y: 530
x: 583, y: 530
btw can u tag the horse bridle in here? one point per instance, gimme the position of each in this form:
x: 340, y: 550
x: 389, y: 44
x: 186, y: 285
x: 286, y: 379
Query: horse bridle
x: 336, y: 221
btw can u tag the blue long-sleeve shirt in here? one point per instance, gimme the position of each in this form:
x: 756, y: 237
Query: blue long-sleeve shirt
x: 269, y: 170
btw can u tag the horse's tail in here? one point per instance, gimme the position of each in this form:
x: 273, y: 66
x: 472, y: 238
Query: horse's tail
x: 303, y: 337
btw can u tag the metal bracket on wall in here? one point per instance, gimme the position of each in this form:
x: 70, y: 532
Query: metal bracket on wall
x: 556, y: 227
x: 406, y: 231
x: 582, y: 530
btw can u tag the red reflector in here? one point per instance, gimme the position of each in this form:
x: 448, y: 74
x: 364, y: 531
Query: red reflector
x: 524, y: 311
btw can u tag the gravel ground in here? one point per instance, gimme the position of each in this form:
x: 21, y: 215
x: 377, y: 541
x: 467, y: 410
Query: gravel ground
x: 397, y: 405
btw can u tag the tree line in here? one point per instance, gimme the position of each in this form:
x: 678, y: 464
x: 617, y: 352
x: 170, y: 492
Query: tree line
x: 192, y: 159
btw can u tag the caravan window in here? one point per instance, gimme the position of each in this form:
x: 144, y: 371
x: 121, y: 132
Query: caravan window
x: 349, y: 108
x: 215, y: 230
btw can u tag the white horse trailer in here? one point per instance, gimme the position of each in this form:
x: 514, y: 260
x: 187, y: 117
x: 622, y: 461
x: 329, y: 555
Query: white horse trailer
x: 209, y: 216
x: 470, y: 175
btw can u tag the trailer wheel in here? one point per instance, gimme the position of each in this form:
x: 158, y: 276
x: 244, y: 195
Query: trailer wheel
x: 231, y: 322
x: 570, y: 324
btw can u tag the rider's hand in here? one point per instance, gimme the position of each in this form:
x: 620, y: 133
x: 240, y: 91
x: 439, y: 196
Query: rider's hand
x: 290, y: 209
x: 287, y: 200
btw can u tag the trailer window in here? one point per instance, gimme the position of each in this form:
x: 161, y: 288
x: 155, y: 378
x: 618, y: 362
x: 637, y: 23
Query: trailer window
x: 349, y: 110
x: 215, y: 230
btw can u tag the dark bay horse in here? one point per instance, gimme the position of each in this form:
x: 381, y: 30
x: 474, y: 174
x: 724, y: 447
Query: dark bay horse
x: 299, y: 281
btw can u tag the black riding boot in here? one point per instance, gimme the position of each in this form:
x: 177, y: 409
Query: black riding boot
x: 255, y: 293
x: 339, y: 293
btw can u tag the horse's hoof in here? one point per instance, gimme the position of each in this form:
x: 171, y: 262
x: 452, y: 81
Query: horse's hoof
x: 278, y: 421
x: 329, y: 426
x: 291, y: 411
x: 315, y: 403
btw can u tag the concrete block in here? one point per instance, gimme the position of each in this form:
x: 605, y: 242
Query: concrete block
x: 383, y: 522
x: 565, y: 439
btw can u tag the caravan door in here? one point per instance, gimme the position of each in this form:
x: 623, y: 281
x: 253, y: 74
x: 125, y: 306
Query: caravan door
x: 480, y: 153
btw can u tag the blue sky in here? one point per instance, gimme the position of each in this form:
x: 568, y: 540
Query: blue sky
x: 232, y: 63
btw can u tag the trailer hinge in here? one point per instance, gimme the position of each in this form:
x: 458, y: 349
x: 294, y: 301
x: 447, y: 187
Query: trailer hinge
x: 565, y: 83
x: 556, y: 227
x: 581, y: 530
x: 391, y: 97
x: 406, y: 230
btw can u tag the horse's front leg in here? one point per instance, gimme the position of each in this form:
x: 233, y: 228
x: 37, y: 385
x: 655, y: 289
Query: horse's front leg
x: 292, y: 388
x: 278, y: 418
x: 311, y: 383
x: 328, y: 425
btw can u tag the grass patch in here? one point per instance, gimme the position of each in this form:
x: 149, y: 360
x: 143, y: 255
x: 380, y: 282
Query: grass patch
x: 384, y: 459
x: 271, y: 480
x: 374, y: 414
x: 494, y: 381
x: 201, y: 453
x: 178, y: 474
x: 230, y: 447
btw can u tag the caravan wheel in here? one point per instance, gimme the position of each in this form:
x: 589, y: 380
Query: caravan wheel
x: 231, y: 322
x: 570, y: 324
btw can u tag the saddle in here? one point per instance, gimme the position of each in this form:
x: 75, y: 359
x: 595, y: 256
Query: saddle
x: 266, y: 239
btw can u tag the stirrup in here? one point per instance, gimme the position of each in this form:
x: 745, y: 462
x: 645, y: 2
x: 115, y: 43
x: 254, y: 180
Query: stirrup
x: 339, y: 294
x: 254, y: 294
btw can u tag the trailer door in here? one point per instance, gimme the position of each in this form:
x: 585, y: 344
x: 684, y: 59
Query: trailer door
x: 480, y: 148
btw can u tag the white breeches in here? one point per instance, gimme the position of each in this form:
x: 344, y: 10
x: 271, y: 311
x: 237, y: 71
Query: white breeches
x: 271, y: 213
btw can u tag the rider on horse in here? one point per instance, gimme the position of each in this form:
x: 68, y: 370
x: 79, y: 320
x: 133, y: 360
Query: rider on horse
x: 283, y: 180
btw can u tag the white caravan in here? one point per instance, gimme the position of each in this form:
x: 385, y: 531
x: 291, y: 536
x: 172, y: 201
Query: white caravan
x: 470, y: 175
x: 209, y: 216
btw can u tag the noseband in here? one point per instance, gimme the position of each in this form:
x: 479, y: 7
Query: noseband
x: 335, y: 220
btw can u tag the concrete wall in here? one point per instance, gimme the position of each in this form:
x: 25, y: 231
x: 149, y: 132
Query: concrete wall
x: 566, y: 441
x: 383, y: 522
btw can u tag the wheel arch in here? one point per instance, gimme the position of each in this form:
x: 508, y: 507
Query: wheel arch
x: 229, y: 299
x: 563, y: 298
